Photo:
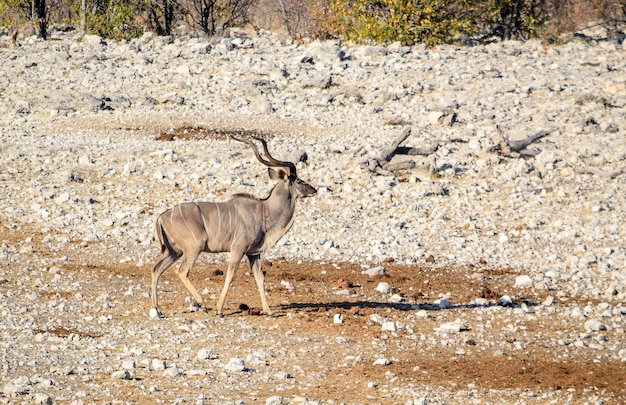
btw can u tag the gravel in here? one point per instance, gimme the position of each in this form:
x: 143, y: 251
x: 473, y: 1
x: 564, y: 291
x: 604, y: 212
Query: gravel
x: 82, y: 176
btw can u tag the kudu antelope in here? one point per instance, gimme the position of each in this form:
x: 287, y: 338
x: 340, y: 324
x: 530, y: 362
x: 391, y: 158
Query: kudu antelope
x: 243, y: 225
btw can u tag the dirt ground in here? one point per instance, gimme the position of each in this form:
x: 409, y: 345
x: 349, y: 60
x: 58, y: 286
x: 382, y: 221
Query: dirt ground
x: 308, y: 310
x: 539, y: 368
x: 486, y: 361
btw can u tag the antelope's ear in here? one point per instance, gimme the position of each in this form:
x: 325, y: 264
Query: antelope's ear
x: 277, y: 175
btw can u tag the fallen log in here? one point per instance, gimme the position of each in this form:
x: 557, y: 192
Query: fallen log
x: 595, y: 171
x: 518, y: 146
x: 383, y: 164
x: 506, y: 146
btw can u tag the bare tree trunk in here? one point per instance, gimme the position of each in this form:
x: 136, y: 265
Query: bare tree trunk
x: 13, y: 33
x: 40, y: 18
x: 83, y: 16
x: 168, y: 15
x: 285, y: 19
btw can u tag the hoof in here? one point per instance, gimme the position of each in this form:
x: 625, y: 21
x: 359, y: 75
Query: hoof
x: 154, y: 313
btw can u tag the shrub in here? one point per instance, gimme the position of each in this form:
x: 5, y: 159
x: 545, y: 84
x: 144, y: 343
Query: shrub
x: 427, y: 21
x: 115, y: 19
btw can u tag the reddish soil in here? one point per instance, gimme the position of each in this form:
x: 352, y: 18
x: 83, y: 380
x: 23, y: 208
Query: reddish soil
x: 464, y: 364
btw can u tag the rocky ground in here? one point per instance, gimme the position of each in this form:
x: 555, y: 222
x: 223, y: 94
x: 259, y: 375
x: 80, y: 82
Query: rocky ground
x: 483, y: 275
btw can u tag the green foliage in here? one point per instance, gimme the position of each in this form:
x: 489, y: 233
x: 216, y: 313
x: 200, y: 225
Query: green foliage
x: 407, y: 21
x: 432, y: 21
x: 515, y: 19
x: 12, y: 9
x: 115, y: 19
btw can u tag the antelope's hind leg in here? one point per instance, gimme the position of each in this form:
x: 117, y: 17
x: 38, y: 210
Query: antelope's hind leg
x: 189, y: 259
x: 167, y: 259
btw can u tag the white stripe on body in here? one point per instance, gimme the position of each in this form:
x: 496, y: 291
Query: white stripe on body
x: 185, y: 221
x: 230, y: 219
x: 219, y: 219
x: 203, y: 220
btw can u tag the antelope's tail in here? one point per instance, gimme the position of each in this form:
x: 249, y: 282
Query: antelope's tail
x: 161, y: 235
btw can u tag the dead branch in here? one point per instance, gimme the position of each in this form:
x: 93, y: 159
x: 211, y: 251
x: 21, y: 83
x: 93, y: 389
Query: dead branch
x: 392, y: 167
x: 383, y: 164
x: 413, y: 151
x: 595, y: 171
x: 390, y: 151
x: 518, y: 146
x: 506, y: 146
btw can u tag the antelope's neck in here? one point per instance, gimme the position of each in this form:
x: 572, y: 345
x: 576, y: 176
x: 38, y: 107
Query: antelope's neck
x: 278, y: 214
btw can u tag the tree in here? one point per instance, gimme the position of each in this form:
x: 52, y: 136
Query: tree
x: 407, y: 21
x: 161, y: 15
x: 40, y: 18
x: 517, y: 19
x: 613, y: 13
x: 114, y: 19
x: 216, y: 15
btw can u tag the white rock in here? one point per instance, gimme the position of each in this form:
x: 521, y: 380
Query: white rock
x: 128, y: 364
x: 396, y: 299
x: 382, y: 362
x: 235, y: 364
x: 375, y: 271
x: 196, y: 372
x: 17, y: 386
x: 444, y: 304
x: 389, y: 326
x: 282, y: 376
x: 377, y: 318
x: 523, y: 281
x: 42, y: 399
x: 92, y: 40
x: 594, y: 325
x: 256, y: 359
x: 206, y: 353
x: 62, y: 198
x: 154, y: 313
x: 454, y: 326
x: 157, y: 364
x: 173, y: 371
x: 85, y: 160
x: 338, y: 319
x: 383, y: 287
x: 120, y: 375
x: 506, y: 300
x: 275, y: 400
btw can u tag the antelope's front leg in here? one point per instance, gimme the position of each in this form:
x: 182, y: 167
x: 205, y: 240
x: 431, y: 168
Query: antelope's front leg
x: 233, y: 264
x: 255, y: 265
